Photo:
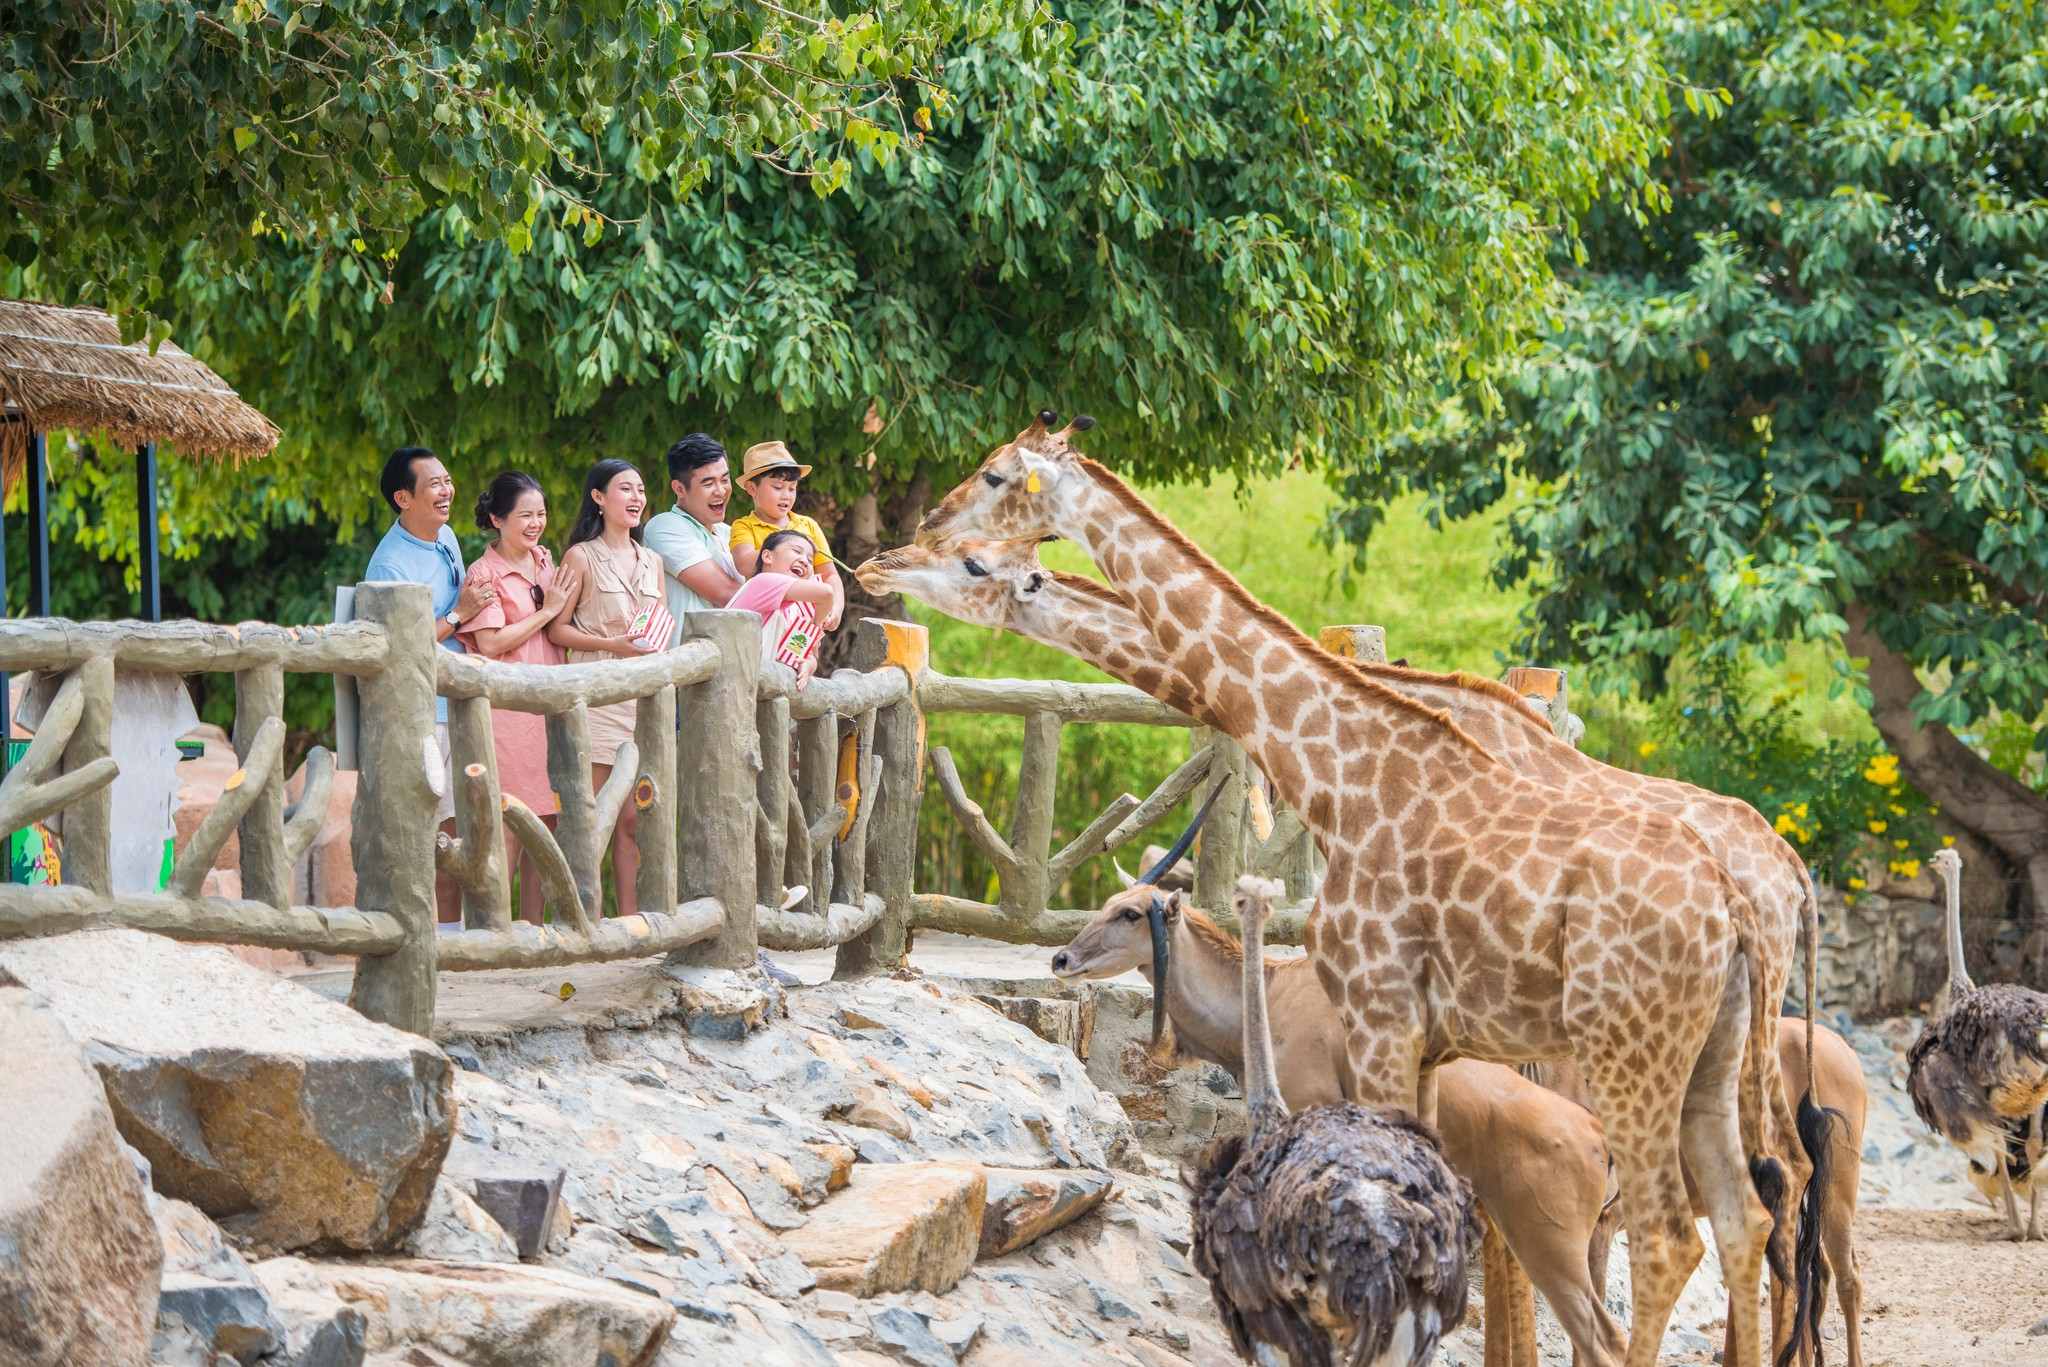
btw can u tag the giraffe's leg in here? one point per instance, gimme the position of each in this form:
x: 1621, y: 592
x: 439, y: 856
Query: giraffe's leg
x: 1642, y: 1118
x: 1710, y: 1137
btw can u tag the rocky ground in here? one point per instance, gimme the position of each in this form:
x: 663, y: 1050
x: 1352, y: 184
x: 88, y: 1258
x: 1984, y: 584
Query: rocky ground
x: 648, y: 1168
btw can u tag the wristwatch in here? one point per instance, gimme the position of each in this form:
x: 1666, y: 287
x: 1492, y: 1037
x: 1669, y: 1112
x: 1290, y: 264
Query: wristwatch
x: 453, y: 619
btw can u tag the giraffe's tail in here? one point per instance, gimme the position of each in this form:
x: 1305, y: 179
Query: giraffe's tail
x: 1766, y: 1172
x: 1816, y: 1125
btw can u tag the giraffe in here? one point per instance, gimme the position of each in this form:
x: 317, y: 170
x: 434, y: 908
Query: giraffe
x: 1465, y: 912
x: 1003, y: 584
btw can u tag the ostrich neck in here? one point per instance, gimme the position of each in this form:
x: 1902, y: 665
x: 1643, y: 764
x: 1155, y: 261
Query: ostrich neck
x: 1958, y: 972
x: 1261, y: 1087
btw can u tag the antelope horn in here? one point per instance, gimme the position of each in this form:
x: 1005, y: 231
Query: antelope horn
x: 1187, y: 837
x: 1123, y: 874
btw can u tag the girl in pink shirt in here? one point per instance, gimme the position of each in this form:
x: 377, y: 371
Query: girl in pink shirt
x: 790, y: 599
x: 512, y: 627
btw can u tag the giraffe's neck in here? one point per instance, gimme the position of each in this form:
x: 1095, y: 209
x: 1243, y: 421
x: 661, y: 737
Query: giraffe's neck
x: 1337, y: 747
x: 1104, y: 632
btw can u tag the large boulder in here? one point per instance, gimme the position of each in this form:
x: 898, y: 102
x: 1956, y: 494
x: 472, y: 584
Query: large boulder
x: 292, y: 1120
x: 1025, y: 1204
x: 79, y: 1258
x: 483, y: 1315
x: 896, y: 1227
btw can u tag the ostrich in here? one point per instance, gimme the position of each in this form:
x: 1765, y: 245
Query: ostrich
x: 1978, y: 1074
x: 1335, y: 1230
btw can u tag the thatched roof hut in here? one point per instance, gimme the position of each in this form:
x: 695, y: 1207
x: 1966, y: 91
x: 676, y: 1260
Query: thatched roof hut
x: 69, y: 368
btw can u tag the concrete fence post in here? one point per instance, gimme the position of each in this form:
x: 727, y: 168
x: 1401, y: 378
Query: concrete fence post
x: 718, y: 764
x: 1219, y: 855
x: 393, y: 837
x: 892, y: 826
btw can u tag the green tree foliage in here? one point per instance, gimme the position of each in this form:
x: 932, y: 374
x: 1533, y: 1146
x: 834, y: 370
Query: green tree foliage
x: 141, y: 136
x: 1237, y: 234
x: 1810, y: 400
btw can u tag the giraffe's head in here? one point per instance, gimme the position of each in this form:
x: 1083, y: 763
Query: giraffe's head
x: 1023, y: 491
x: 976, y: 581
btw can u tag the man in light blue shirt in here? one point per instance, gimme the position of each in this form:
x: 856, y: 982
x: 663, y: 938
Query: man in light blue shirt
x: 421, y: 548
x: 692, y: 538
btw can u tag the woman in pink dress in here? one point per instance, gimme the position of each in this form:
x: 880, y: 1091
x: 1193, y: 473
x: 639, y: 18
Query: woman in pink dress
x: 513, y: 628
x: 789, y: 598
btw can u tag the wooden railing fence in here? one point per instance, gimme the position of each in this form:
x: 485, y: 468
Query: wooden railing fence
x: 768, y: 816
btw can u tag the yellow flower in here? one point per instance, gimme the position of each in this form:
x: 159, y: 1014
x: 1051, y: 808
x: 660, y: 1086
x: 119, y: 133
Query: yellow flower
x: 1897, y: 810
x: 1647, y: 749
x: 1800, y: 811
x: 1898, y: 844
x: 1783, y: 824
x: 1856, y: 883
x: 1947, y: 841
x: 1802, y: 835
x: 1894, y: 790
x: 1909, y: 868
x: 1877, y: 827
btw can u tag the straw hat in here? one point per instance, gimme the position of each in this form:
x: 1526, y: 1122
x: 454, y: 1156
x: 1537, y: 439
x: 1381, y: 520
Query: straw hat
x: 764, y: 456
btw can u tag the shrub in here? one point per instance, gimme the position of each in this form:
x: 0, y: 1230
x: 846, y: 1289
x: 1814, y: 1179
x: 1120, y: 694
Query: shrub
x: 1840, y: 803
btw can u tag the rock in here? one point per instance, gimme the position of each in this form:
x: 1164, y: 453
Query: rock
x: 229, y: 1317
x: 906, y: 1336
x: 1067, y: 1022
x: 80, y: 1260
x: 896, y: 1227
x: 1026, y: 1204
x: 873, y: 1110
x: 838, y: 1159
x: 320, y: 1332
x: 853, y: 1018
x: 484, y: 1316
x: 717, y: 1003
x: 290, y: 1119
x: 521, y: 1199
x: 192, y: 1243
x: 957, y: 1334
x: 457, y: 1229
x: 2039, y: 1329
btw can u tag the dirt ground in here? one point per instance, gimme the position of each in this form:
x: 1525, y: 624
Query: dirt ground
x: 1940, y: 1287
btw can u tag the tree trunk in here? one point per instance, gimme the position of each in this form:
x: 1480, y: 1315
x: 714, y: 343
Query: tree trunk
x: 1989, y: 803
x: 857, y: 530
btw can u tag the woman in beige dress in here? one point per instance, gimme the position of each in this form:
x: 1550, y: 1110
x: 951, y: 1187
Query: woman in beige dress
x: 618, y: 579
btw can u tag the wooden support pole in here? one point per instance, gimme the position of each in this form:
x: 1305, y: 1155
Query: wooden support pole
x: 1056, y: 926
x: 1363, y: 643
x: 481, y: 866
x: 25, y: 804
x: 149, y: 538
x: 851, y: 869
x: 1027, y: 892
x: 185, y: 647
x: 1074, y: 702
x: 576, y: 808
x: 890, y: 839
x: 610, y: 801
x: 217, y: 920
x: 266, y: 872
x: 794, y: 932
x: 654, y: 797
x: 817, y: 758
x: 771, y: 786
x: 616, y: 937
x: 557, y: 878
x: 89, y: 821
x: 720, y: 752
x: 1219, y: 859
x: 239, y: 796
x: 304, y: 818
x: 394, y: 827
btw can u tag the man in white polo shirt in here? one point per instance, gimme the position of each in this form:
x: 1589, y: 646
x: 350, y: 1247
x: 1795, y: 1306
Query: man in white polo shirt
x: 692, y: 537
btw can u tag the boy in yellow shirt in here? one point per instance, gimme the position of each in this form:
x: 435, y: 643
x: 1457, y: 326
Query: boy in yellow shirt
x: 770, y: 475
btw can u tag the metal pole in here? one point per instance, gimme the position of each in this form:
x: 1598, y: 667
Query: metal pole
x: 38, y: 525
x: 145, y: 514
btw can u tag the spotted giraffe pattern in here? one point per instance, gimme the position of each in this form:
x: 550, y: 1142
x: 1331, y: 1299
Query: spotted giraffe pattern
x: 1002, y: 584
x: 1465, y: 911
